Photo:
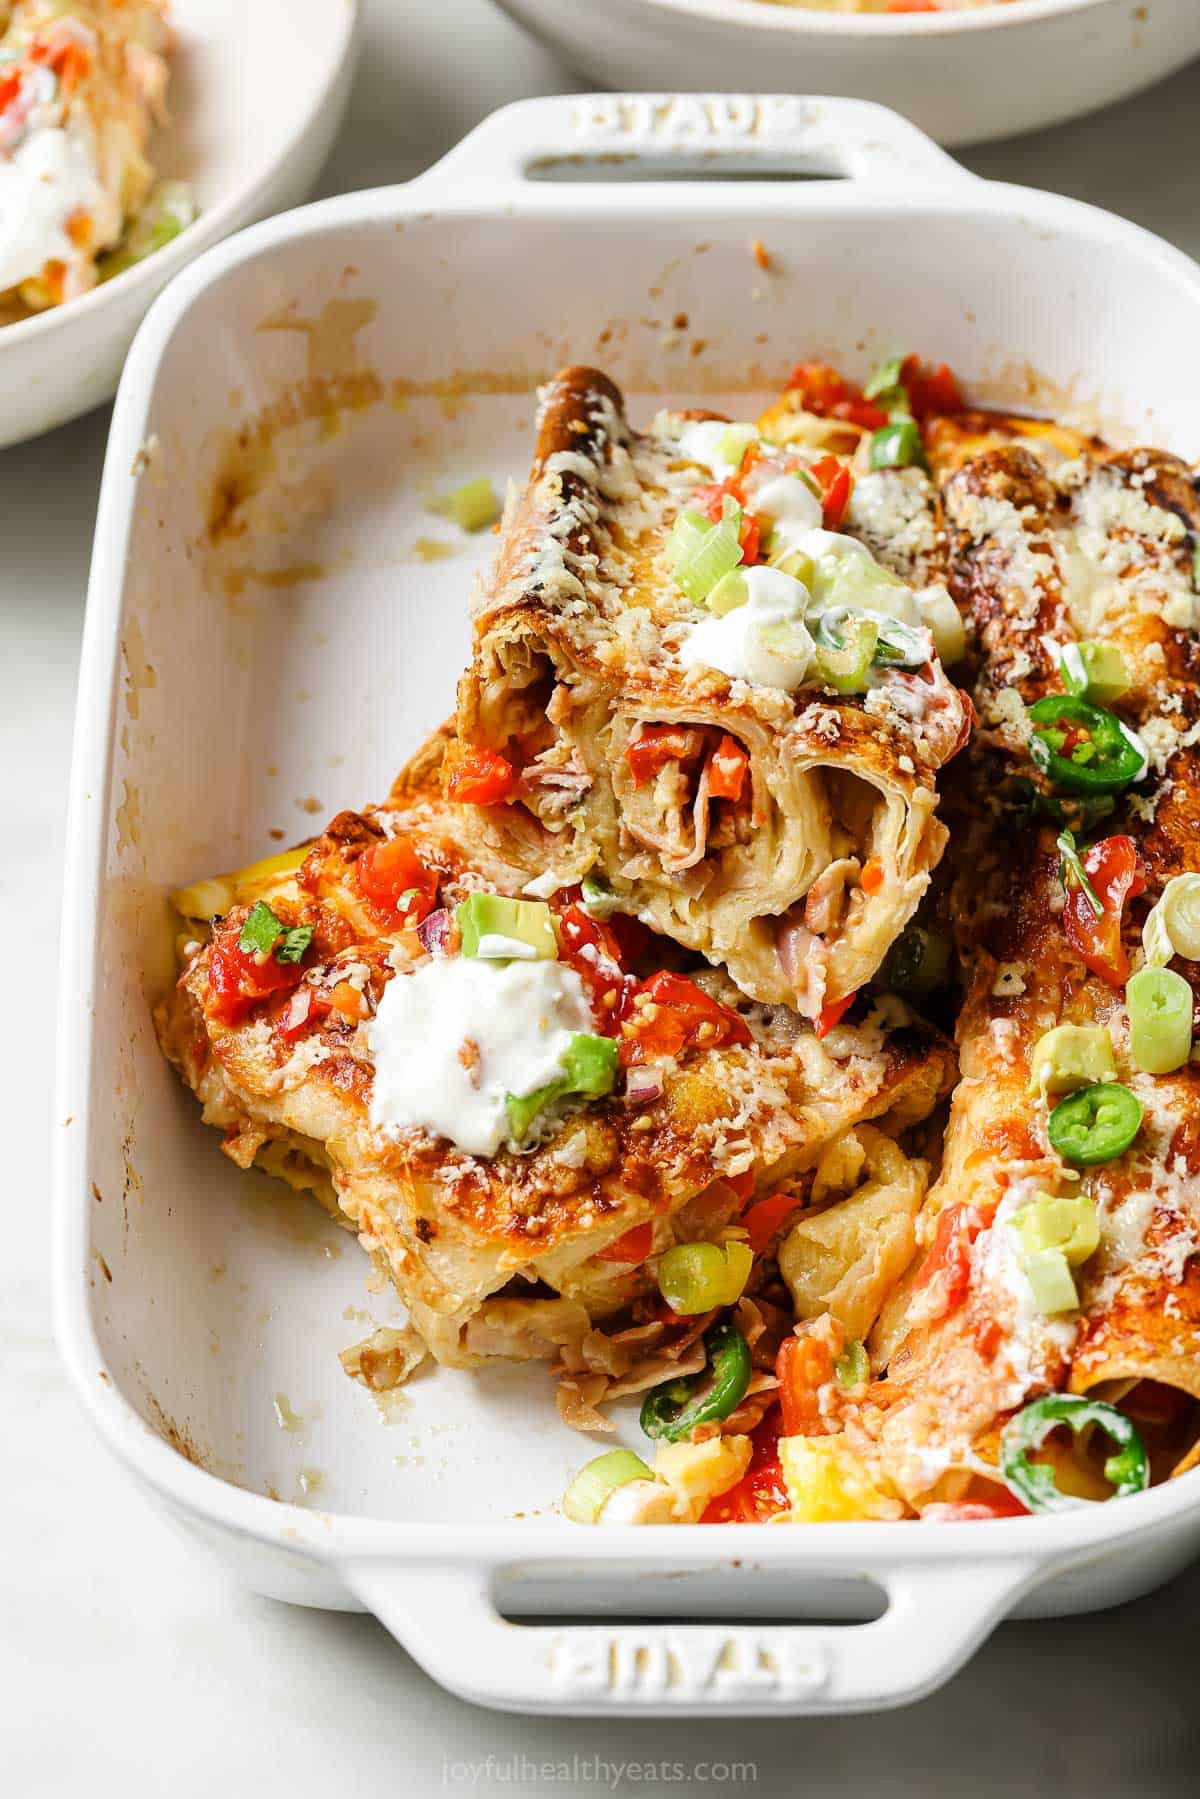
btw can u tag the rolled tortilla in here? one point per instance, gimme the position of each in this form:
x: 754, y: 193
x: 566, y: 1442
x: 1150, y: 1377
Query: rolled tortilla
x: 579, y: 640
x: 1052, y: 547
x: 508, y: 1255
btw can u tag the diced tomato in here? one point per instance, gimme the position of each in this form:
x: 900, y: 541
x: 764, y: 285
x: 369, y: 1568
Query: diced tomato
x: 836, y: 484
x: 727, y: 769
x: 989, y: 1335
x: 1115, y: 873
x: 823, y: 391
x: 348, y: 1002
x: 477, y: 777
x: 655, y: 746
x: 762, y: 1491
x: 709, y: 500
x: 833, y: 1014
x: 10, y: 87
x: 69, y: 59
x: 766, y: 1218
x: 946, y: 1270
x: 742, y: 1184
x: 299, y: 1013
x: 238, y: 979
x: 388, y: 871
x: 803, y: 1366
x: 669, y: 1014
x: 932, y: 392
x: 599, y: 952
x: 873, y: 875
x: 634, y: 1246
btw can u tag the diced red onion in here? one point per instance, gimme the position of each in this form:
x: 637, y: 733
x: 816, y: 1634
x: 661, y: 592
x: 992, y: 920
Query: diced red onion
x: 295, y: 1015
x: 437, y: 932
x: 643, y: 1085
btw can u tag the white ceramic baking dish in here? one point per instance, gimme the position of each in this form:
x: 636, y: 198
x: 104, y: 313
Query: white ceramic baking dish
x: 963, y: 77
x: 273, y: 620
x: 257, y: 94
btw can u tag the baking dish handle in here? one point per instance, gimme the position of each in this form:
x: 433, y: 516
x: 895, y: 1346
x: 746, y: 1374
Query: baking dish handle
x: 446, y: 1618
x: 618, y: 137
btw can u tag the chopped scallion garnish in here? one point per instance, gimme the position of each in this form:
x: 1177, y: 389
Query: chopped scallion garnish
x: 1072, y: 873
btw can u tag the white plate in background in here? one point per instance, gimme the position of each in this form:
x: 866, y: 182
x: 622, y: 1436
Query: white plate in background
x: 963, y: 77
x: 257, y: 92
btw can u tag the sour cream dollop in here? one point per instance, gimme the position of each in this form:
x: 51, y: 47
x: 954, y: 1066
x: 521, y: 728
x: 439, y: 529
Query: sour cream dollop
x: 790, y: 506
x: 765, y: 641
x: 450, y: 1041
x: 49, y: 177
x: 700, y: 440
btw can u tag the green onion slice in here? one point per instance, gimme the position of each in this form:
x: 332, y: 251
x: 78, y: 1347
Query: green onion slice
x: 1159, y: 1002
x: 170, y: 209
x: 734, y: 441
x: 595, y: 1484
x: 898, y: 445
x: 852, y: 1367
x: 714, y: 556
x: 696, y: 1277
x: 1173, y: 925
x: 674, y: 1410
x: 731, y: 591
x: 1072, y: 873
x: 1034, y: 1484
x: 900, y: 645
x: 885, y: 379
x: 846, y: 645
x: 1095, y: 1125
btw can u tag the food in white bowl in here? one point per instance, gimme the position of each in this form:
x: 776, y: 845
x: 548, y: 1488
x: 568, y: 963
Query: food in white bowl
x: 82, y: 86
x: 137, y: 189
x: 885, y: 6
x: 964, y: 74
x: 598, y: 1084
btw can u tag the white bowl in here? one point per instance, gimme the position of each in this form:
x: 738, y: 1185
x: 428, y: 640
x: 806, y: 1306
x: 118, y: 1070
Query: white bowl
x: 961, y: 76
x: 283, y: 649
x: 258, y: 88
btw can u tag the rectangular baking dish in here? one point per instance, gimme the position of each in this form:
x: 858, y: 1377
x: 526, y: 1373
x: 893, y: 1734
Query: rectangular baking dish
x: 274, y: 619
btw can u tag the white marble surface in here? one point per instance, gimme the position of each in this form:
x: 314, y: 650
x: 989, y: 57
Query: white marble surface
x: 127, y: 1664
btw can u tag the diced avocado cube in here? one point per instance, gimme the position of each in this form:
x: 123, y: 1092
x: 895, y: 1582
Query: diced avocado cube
x: 1069, y: 1225
x: 1070, y: 1056
x: 1050, y: 1277
x: 527, y: 922
x: 589, y: 1068
x: 522, y: 1111
x: 1106, y: 671
x: 591, y: 1064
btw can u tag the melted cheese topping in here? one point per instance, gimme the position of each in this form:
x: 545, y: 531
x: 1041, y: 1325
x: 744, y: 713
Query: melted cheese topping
x: 453, y: 1039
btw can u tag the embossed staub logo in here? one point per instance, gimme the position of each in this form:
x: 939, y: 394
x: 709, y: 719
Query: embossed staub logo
x: 688, y: 119
x: 673, y: 1667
